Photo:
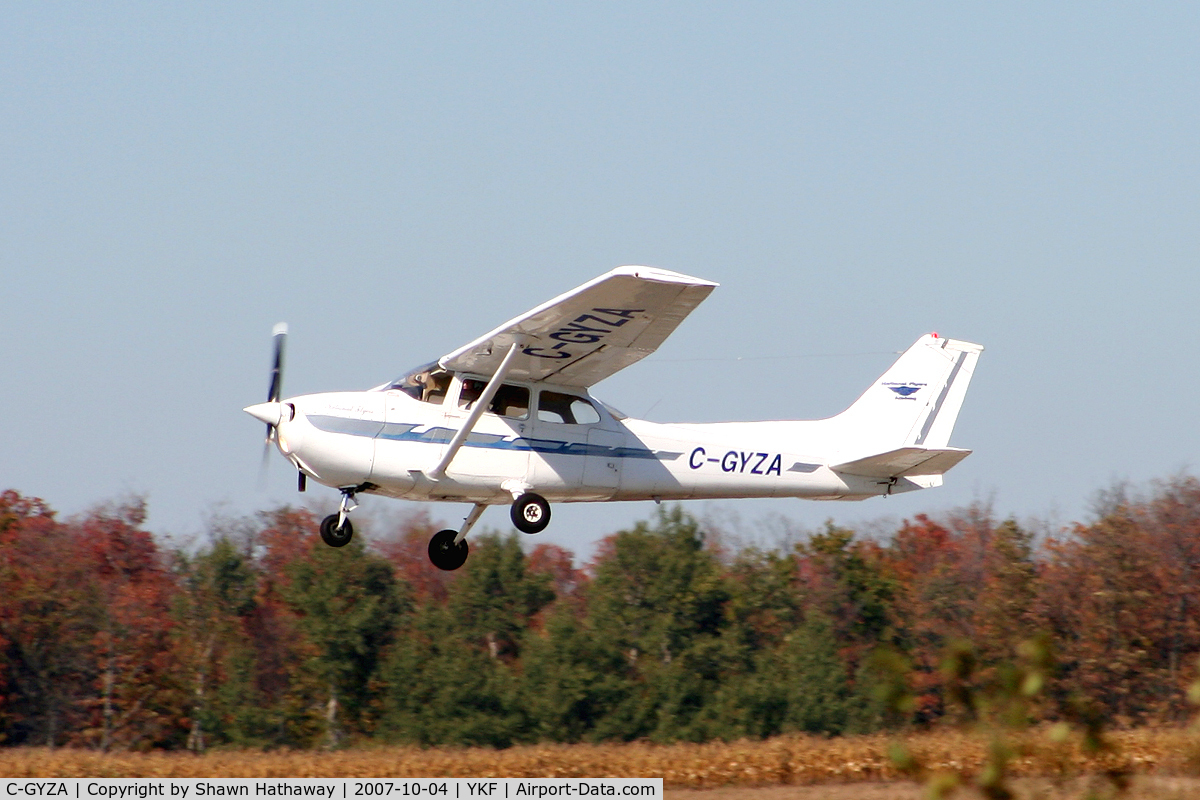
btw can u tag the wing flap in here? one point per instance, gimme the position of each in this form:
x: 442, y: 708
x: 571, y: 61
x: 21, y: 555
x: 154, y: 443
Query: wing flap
x: 904, y: 462
x: 581, y: 337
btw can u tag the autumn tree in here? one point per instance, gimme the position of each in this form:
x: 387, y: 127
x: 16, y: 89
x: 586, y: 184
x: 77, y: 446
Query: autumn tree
x: 139, y: 674
x: 48, y: 614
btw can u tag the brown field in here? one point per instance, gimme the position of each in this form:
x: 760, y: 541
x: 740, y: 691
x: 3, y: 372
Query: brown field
x: 1162, y: 759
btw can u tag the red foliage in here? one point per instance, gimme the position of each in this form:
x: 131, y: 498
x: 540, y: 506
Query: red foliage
x: 569, y: 584
x: 288, y: 535
x: 406, y: 546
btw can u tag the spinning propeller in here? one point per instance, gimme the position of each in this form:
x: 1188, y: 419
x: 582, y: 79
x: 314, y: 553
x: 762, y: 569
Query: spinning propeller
x: 271, y: 412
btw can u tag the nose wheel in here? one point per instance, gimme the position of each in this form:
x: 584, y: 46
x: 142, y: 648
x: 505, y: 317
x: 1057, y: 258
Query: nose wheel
x: 530, y: 513
x: 336, y: 535
x: 336, y: 530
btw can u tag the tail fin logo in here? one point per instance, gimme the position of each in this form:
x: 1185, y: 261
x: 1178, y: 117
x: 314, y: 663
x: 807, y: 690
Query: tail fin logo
x: 905, y: 391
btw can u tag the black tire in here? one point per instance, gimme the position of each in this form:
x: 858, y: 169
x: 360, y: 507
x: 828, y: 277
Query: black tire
x: 444, y: 553
x: 530, y: 513
x: 334, y: 536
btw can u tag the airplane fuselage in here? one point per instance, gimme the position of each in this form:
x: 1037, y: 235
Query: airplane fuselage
x: 387, y: 442
x: 508, y: 417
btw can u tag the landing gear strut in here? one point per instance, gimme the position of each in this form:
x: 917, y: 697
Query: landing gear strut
x: 336, y: 530
x: 448, y: 548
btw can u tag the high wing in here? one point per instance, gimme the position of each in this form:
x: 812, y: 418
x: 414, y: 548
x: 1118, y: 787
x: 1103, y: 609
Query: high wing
x: 581, y: 337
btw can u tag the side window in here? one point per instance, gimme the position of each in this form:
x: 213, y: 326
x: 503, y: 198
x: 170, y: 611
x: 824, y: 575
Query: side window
x: 585, y: 413
x: 566, y: 408
x: 470, y: 392
x: 510, y: 401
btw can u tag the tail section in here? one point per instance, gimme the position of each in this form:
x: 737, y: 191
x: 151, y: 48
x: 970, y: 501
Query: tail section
x: 905, y: 462
x: 901, y: 425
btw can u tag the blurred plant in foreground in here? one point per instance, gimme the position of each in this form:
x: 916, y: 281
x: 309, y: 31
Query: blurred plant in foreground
x: 999, y: 703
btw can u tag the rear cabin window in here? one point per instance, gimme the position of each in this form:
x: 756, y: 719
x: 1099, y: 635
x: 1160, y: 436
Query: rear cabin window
x: 568, y: 409
x: 510, y: 401
x: 428, y: 384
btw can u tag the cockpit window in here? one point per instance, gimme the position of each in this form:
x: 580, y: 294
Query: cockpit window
x: 510, y: 401
x: 428, y: 383
x: 566, y: 408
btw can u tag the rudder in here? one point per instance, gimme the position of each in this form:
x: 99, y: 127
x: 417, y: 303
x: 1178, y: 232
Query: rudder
x: 915, y: 403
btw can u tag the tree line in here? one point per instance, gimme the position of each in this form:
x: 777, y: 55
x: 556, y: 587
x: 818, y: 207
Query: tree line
x: 265, y: 637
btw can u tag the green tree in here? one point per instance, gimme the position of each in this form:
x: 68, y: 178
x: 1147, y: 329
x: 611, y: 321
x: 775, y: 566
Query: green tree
x: 656, y: 589
x: 572, y: 678
x: 1006, y: 603
x: 660, y: 598
x: 814, y: 676
x: 453, y: 677
x: 845, y: 580
x: 348, y: 604
x: 496, y: 596
x: 444, y: 689
x: 218, y: 589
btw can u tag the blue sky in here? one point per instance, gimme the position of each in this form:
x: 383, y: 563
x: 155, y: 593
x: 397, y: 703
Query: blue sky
x: 394, y: 180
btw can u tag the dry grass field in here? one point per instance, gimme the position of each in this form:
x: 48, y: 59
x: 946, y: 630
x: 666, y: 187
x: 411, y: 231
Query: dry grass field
x: 784, y: 761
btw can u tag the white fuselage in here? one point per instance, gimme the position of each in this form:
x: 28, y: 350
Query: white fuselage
x: 387, y: 442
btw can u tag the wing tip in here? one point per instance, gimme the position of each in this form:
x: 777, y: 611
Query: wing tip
x: 660, y: 275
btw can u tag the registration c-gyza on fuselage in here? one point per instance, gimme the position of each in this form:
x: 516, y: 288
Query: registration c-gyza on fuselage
x: 509, y: 419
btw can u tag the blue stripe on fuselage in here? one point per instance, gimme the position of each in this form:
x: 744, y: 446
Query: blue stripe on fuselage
x: 407, y: 432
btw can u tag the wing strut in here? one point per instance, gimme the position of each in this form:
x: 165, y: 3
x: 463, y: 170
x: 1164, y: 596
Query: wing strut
x: 483, y: 402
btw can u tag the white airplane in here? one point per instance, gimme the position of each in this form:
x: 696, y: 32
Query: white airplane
x: 508, y: 418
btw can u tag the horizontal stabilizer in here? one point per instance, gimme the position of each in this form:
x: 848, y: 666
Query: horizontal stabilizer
x: 904, y: 462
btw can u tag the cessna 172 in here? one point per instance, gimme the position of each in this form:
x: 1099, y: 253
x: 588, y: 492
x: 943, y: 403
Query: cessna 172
x: 508, y: 418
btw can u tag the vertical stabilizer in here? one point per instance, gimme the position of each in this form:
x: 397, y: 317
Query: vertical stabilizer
x: 915, y: 403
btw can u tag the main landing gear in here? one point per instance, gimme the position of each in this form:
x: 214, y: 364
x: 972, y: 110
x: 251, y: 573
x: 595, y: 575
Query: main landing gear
x: 336, y: 530
x: 530, y: 513
x: 448, y: 549
x: 446, y: 552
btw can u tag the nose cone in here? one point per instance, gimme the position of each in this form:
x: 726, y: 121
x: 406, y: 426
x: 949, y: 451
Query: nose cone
x: 270, y: 413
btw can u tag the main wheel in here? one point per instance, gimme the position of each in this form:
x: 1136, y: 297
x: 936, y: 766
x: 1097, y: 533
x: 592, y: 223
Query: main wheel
x: 334, y: 536
x: 444, y: 553
x: 530, y: 513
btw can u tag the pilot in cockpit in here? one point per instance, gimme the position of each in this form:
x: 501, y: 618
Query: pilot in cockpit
x: 428, y: 384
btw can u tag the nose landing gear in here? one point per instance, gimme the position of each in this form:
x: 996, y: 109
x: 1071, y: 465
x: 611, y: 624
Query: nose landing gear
x: 336, y: 530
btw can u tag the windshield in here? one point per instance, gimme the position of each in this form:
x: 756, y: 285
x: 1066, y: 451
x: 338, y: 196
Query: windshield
x: 428, y: 383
